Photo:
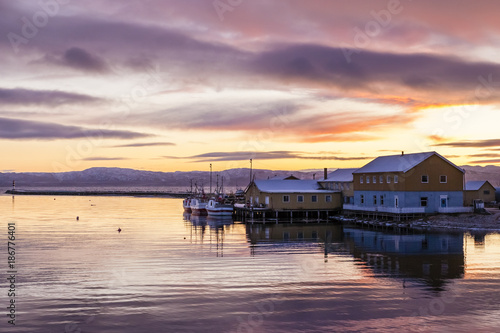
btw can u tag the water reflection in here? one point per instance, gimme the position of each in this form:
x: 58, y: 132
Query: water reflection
x: 217, y: 227
x: 430, y: 258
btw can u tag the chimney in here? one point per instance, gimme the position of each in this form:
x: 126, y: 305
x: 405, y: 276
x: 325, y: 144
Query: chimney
x: 402, y: 153
x: 325, y: 173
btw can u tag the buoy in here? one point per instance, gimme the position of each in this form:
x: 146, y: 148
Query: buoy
x: 78, y: 218
x: 119, y: 230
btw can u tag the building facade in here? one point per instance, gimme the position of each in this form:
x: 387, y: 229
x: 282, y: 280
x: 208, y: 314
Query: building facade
x: 286, y: 195
x: 409, y: 183
x: 478, y: 190
x: 341, y: 180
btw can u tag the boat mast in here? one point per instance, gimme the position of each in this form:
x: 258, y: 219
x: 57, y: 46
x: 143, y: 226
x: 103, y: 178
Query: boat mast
x: 210, y: 178
x: 217, y: 186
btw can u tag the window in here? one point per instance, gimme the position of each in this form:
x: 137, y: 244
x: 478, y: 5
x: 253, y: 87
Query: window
x: 328, y: 198
x: 300, y: 198
x: 388, y: 179
x: 486, y: 192
x: 368, y: 179
x: 361, y: 179
x: 286, y: 198
x: 362, y: 197
x: 342, y: 186
x: 381, y: 200
x: 381, y: 179
x: 374, y: 199
x: 314, y: 198
x: 443, y: 179
x: 374, y: 179
x: 346, y: 186
x: 423, y: 202
x: 425, y: 179
x: 256, y: 200
x: 396, y: 179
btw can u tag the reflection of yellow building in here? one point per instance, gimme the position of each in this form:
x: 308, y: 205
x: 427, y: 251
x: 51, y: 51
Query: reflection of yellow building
x: 284, y: 232
x: 433, y: 258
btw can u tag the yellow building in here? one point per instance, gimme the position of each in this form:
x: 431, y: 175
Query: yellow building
x: 409, y: 183
x: 340, y: 180
x: 478, y: 190
x: 292, y: 195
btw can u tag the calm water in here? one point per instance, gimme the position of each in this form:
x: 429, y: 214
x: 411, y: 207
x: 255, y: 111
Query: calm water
x: 166, y: 272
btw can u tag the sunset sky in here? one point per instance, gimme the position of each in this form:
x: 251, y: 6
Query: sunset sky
x: 176, y: 85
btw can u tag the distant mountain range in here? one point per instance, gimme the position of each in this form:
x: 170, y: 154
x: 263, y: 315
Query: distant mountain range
x: 232, y: 177
x: 94, y: 177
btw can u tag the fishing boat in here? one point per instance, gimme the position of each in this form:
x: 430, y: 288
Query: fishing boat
x: 198, y: 207
x: 186, y: 204
x: 217, y: 208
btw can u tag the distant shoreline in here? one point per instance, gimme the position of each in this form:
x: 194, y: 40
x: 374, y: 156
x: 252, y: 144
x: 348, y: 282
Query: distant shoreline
x: 99, y: 193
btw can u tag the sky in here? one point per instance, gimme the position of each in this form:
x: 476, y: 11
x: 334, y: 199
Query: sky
x: 178, y: 84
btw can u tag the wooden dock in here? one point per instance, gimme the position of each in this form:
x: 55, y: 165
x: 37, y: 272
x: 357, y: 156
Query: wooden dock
x: 263, y: 215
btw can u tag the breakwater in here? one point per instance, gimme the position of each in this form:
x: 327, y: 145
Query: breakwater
x: 100, y: 193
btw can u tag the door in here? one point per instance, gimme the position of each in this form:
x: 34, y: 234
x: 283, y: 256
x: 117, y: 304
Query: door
x: 443, y: 201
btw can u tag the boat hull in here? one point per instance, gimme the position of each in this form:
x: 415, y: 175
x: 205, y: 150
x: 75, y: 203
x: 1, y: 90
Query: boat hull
x: 220, y: 211
x: 198, y: 207
x: 199, y: 211
x: 215, y: 208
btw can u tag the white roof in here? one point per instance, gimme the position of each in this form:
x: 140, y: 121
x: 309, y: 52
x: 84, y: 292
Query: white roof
x: 399, y: 163
x: 290, y: 186
x: 340, y: 175
x: 474, y: 185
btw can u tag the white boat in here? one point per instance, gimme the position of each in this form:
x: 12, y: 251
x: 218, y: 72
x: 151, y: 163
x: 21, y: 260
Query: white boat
x: 215, y: 208
x: 198, y: 207
x: 186, y: 204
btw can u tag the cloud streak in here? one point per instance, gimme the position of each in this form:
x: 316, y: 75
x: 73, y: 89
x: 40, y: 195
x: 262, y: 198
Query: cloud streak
x: 100, y: 158
x: 146, y: 144
x: 270, y: 155
x: 23, y: 97
x: 471, y: 144
x: 30, y: 130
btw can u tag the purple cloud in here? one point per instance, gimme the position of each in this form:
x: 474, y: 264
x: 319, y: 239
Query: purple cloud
x: 26, y: 130
x: 20, y: 96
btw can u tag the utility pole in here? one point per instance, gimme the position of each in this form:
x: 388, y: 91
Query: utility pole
x: 250, y: 170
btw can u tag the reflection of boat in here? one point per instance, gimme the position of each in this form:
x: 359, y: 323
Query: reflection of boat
x: 198, y: 207
x: 186, y: 204
x: 198, y: 220
x: 219, y: 221
x: 216, y: 208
